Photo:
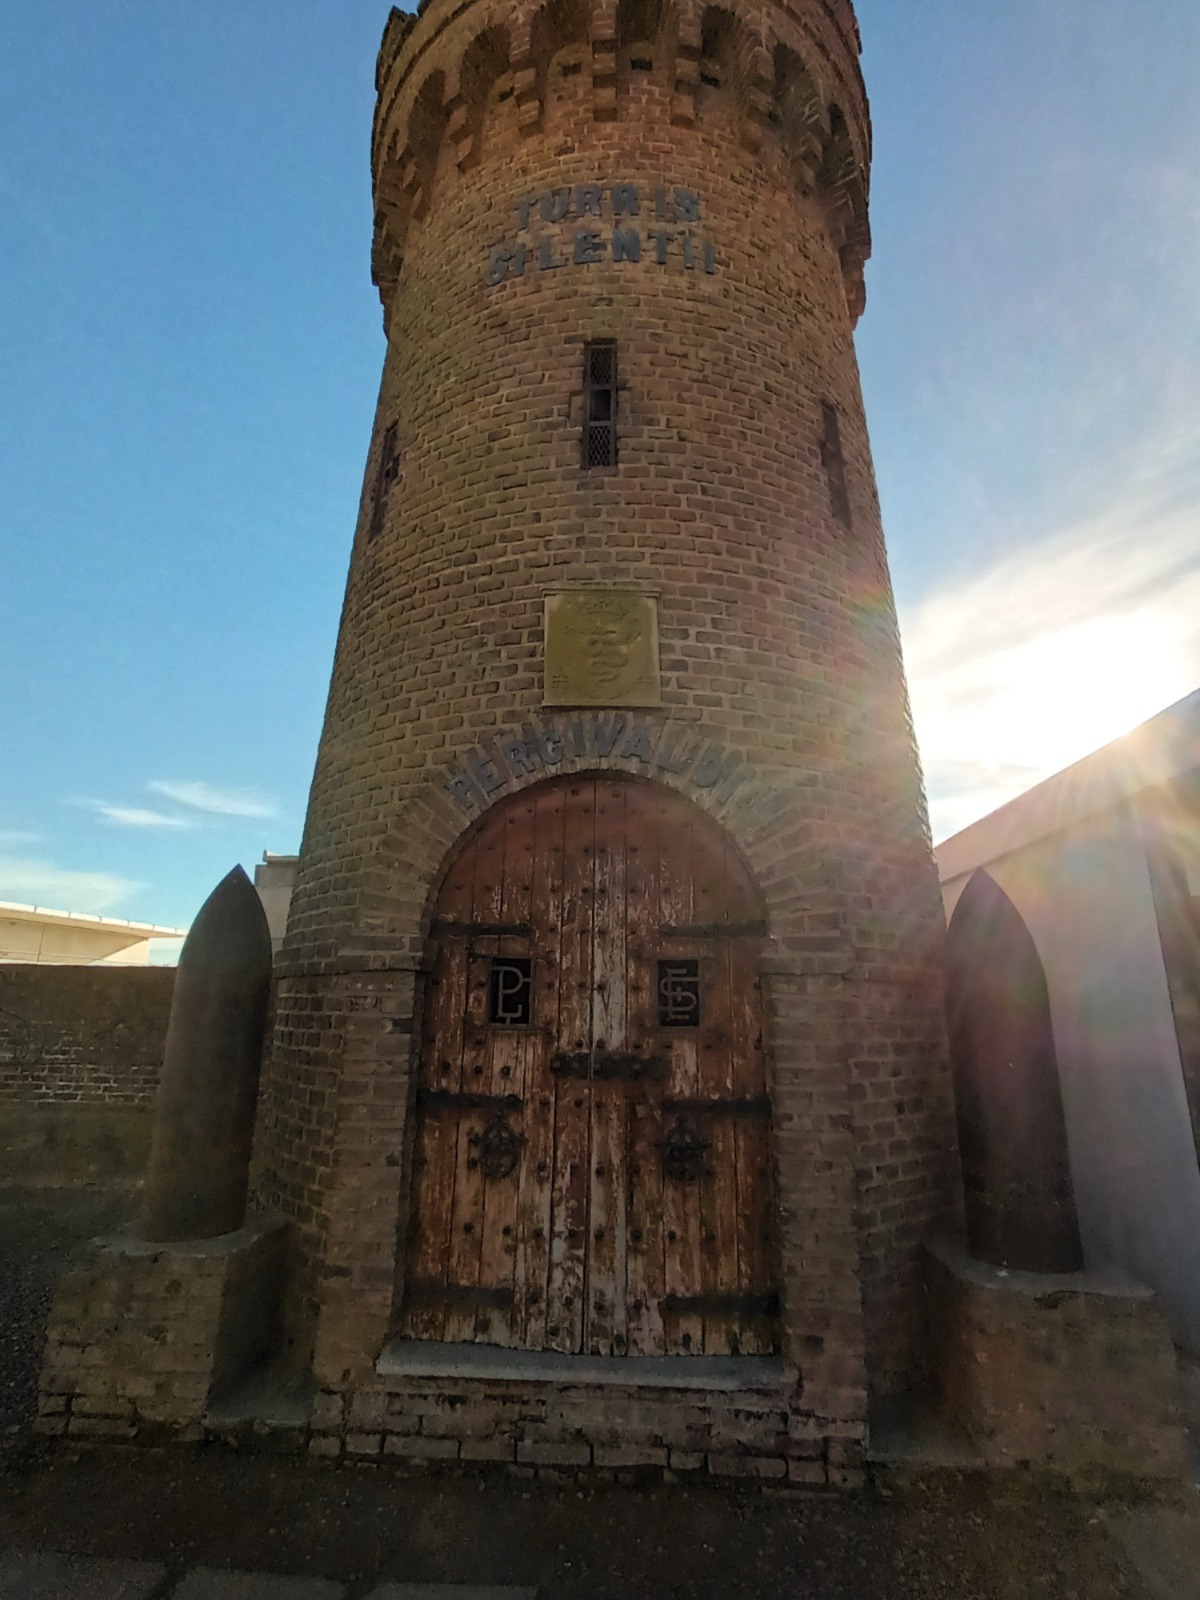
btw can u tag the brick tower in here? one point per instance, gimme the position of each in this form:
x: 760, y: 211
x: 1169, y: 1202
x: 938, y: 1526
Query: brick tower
x: 608, y: 1097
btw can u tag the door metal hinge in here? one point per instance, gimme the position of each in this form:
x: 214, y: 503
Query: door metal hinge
x: 453, y: 1100
x: 758, y: 1105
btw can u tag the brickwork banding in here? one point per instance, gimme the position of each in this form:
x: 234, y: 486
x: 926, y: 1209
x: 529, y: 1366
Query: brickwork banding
x: 608, y: 1099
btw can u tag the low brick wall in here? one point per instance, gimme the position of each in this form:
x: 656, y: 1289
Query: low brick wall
x: 633, y: 1415
x: 80, y: 1053
x: 143, y: 1337
x: 1069, y: 1372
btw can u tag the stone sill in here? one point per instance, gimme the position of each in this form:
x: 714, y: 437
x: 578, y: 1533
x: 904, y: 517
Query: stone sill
x: 1104, y: 1280
x: 420, y: 1358
x: 128, y: 1243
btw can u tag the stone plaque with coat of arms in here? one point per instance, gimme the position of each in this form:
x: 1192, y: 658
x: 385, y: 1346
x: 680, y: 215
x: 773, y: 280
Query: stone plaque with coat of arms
x: 602, y: 649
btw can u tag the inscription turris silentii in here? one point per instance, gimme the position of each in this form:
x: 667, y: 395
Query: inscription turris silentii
x: 583, y: 224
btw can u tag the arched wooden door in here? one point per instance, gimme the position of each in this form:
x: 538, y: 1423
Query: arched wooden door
x: 592, y: 1165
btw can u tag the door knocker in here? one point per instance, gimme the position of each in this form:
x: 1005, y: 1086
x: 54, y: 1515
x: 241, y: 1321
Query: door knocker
x: 499, y: 1149
x: 683, y: 1152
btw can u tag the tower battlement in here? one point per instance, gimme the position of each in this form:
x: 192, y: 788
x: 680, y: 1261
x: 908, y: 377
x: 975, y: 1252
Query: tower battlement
x: 458, y: 87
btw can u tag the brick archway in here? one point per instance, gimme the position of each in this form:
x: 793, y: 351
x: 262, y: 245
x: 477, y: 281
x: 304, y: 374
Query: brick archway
x: 348, y: 1288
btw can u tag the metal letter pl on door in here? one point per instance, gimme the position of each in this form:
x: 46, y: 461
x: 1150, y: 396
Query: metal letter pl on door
x: 510, y: 992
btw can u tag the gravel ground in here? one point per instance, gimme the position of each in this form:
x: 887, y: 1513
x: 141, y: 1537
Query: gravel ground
x: 941, y: 1537
x: 945, y: 1539
x: 40, y: 1230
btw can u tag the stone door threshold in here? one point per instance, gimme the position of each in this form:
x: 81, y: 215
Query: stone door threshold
x: 420, y: 1358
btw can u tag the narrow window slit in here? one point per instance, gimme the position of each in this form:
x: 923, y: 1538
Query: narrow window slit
x: 834, y: 463
x: 388, y: 473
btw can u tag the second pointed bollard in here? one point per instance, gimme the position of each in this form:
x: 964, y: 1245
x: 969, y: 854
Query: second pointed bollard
x: 204, y: 1116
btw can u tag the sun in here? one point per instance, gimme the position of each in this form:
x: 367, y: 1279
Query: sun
x: 1062, y: 695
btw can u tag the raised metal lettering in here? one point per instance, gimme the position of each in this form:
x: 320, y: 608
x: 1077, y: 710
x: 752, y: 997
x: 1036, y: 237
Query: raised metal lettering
x: 463, y: 790
x: 605, y: 735
x: 709, y: 770
x: 625, y: 200
x: 637, y: 746
x: 556, y: 205
x: 589, y: 247
x: 626, y: 244
x: 545, y: 256
x: 516, y: 753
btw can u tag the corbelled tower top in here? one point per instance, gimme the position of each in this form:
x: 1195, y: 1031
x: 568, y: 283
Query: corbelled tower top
x: 788, y: 76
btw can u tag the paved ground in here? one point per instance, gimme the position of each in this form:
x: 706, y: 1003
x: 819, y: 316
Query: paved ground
x: 216, y: 1525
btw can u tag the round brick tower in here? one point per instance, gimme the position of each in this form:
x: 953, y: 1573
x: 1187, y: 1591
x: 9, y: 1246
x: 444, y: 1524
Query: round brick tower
x: 608, y: 1025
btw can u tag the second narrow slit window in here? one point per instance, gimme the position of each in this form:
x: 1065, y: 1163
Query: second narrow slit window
x: 600, y: 403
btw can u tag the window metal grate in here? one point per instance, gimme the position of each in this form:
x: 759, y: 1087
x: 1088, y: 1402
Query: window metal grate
x: 389, y: 471
x: 835, y: 464
x: 600, y: 403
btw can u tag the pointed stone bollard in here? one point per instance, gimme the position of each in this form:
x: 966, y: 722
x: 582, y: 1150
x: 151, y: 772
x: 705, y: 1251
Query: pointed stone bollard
x: 204, y: 1116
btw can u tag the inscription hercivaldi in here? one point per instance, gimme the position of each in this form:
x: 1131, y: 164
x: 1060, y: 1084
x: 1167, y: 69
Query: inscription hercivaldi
x: 552, y: 744
x: 585, y: 223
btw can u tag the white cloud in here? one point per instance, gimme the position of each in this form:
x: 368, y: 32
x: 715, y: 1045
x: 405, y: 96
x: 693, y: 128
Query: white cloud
x: 1057, y: 648
x: 140, y: 817
x: 213, y: 801
x: 30, y: 881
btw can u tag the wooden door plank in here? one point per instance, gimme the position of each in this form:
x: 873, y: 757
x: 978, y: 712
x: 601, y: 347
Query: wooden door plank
x: 572, y: 1157
x: 754, y: 1333
x: 435, y: 1142
x: 534, y: 1202
x: 607, y: 1223
x: 719, y: 1198
x: 682, y: 1274
x: 435, y: 1151
x: 645, y: 1284
x: 466, y: 1233
x: 505, y: 1073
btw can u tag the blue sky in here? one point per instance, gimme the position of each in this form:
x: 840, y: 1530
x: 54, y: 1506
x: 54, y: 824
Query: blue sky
x: 190, y: 346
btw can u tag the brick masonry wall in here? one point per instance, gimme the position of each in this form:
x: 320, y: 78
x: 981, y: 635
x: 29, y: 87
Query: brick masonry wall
x: 82, y: 1036
x: 143, y: 1337
x: 745, y: 1434
x: 1071, y: 1372
x: 80, y: 1054
x: 779, y: 640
